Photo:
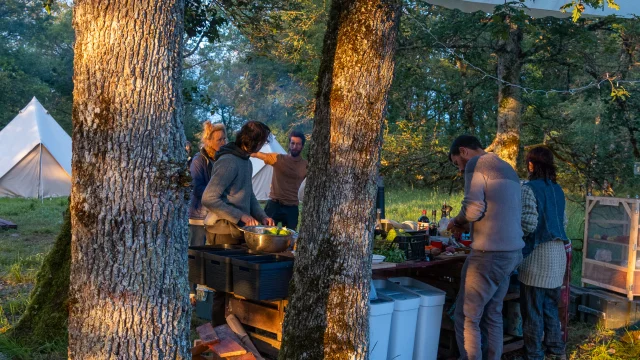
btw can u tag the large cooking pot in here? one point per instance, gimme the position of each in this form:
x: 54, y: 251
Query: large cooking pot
x: 257, y: 240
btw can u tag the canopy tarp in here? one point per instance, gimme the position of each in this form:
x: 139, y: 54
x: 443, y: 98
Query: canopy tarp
x: 542, y: 8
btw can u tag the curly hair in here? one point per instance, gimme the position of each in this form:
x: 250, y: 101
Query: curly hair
x: 543, y: 166
x: 252, y: 136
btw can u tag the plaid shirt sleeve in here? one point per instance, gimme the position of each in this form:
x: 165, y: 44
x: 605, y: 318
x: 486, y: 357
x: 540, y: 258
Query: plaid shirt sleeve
x: 529, y: 211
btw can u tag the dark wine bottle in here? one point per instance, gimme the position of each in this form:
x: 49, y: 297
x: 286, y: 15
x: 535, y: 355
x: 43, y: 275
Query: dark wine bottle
x: 423, y: 221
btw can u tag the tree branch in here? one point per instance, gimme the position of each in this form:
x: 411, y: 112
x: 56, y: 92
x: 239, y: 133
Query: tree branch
x: 195, y: 48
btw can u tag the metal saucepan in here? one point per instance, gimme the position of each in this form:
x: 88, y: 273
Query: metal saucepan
x: 257, y: 240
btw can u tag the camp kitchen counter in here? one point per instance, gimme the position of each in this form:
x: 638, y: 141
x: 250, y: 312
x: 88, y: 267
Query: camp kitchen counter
x: 263, y: 319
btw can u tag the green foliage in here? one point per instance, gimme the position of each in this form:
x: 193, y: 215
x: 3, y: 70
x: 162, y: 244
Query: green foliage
x: 36, y: 59
x: 577, y: 6
x: 45, y: 318
x: 391, y: 252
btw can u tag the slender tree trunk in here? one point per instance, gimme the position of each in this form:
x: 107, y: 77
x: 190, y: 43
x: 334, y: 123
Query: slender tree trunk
x: 507, y: 141
x: 327, y: 317
x: 128, y: 294
x: 468, y: 107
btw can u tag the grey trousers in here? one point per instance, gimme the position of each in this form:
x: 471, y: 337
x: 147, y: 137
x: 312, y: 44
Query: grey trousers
x: 478, y: 313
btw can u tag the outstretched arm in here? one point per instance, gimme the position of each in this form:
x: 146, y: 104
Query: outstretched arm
x: 268, y: 158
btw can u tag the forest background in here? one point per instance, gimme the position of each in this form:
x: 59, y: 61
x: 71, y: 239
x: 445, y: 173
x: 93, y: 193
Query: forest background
x: 239, y: 69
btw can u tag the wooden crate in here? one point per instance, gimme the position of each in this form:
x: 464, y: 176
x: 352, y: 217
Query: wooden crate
x: 609, y: 310
x: 610, y: 258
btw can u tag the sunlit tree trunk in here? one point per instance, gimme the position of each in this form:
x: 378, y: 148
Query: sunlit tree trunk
x: 468, y: 107
x: 327, y: 317
x: 507, y: 141
x: 128, y: 292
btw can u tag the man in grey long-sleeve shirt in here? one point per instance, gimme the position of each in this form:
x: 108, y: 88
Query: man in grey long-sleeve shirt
x: 492, y: 210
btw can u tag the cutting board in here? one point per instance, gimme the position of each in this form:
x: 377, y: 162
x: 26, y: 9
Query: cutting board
x: 383, y: 265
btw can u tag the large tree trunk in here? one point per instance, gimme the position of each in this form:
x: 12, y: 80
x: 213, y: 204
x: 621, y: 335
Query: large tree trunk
x: 507, y: 141
x: 128, y: 292
x: 45, y: 319
x: 327, y: 317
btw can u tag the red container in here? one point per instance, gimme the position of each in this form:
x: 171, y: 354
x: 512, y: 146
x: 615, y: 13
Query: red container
x: 466, y: 243
x: 436, y: 244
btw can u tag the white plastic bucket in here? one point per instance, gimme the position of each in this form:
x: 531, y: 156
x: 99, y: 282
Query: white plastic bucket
x: 380, y: 313
x: 429, y: 317
x: 403, y: 320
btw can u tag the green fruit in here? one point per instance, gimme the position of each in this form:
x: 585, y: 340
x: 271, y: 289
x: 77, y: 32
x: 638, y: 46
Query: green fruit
x: 391, y: 235
x: 283, y: 232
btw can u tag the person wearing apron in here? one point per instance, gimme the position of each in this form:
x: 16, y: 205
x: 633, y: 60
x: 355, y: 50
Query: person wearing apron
x: 229, y: 196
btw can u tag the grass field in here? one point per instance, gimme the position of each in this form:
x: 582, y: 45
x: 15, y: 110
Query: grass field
x: 22, y: 251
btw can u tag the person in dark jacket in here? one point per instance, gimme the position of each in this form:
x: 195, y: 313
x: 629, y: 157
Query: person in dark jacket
x: 229, y: 196
x: 214, y: 136
x: 542, y: 271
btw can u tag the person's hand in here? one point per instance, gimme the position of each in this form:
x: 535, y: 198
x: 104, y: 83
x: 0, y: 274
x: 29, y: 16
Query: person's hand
x: 454, y: 228
x: 254, y: 155
x: 451, y: 225
x: 249, y: 221
x: 268, y: 221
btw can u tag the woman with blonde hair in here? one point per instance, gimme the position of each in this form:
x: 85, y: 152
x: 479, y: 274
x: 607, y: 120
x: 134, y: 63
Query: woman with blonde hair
x: 213, y: 137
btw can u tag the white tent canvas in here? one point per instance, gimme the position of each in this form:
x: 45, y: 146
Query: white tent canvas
x: 541, y: 8
x: 262, y: 173
x: 35, y: 155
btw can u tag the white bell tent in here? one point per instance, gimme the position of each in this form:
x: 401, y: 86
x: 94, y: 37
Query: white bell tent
x: 542, y: 8
x: 262, y: 173
x: 35, y: 155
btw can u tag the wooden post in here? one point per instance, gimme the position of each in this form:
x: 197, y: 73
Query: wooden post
x: 587, y: 208
x: 633, y: 248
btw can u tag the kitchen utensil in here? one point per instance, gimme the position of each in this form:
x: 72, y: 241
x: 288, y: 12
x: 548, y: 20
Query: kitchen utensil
x: 377, y: 259
x: 257, y: 240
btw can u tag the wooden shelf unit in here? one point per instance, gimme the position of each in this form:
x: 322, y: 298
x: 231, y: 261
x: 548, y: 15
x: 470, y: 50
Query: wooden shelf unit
x: 610, y: 276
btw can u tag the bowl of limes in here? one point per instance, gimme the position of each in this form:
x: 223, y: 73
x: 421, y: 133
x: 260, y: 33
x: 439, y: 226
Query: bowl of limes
x: 269, y: 239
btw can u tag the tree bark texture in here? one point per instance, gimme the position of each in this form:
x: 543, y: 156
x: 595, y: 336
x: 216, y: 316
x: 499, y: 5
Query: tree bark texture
x: 507, y: 141
x: 128, y: 294
x: 327, y: 317
x: 45, y: 319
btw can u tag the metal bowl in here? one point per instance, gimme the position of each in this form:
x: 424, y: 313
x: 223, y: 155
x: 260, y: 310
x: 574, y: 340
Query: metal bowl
x: 257, y: 240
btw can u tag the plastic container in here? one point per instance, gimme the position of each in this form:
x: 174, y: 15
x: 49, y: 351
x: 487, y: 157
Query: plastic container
x: 403, y: 320
x: 380, y: 314
x: 437, y: 244
x: 429, y: 317
x: 218, y: 268
x: 263, y: 277
x: 196, y: 263
x: 412, y: 243
x: 204, y: 303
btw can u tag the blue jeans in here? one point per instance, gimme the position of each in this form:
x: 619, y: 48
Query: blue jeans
x: 540, y: 319
x: 478, y: 313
